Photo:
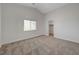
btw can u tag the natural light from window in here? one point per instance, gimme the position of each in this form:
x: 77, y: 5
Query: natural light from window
x: 29, y: 25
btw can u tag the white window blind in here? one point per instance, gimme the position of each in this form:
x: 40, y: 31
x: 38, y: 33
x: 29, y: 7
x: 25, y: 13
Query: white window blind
x: 29, y: 25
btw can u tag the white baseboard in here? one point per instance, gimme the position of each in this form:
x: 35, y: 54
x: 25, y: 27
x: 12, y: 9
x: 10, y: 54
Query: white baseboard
x: 67, y: 39
x: 47, y: 34
x: 19, y: 39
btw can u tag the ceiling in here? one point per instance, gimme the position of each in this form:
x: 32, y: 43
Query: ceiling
x: 44, y: 7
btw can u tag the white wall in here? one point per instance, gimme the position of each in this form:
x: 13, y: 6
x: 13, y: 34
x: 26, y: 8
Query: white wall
x: 13, y: 18
x: 0, y: 24
x: 66, y: 22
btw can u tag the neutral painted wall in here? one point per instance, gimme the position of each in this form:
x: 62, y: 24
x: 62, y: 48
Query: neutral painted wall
x: 66, y: 22
x: 0, y: 26
x: 13, y: 18
x: 0, y: 23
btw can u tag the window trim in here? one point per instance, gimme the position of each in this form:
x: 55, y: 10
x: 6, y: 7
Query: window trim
x: 30, y: 26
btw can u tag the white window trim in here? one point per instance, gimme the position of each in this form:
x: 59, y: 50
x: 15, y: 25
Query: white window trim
x: 30, y: 28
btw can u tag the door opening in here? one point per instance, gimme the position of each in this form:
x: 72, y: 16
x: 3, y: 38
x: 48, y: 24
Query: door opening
x: 51, y: 30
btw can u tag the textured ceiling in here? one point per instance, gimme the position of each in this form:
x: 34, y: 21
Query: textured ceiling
x: 44, y: 7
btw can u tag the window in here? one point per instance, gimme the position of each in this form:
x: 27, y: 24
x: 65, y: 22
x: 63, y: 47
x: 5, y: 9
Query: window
x: 29, y: 25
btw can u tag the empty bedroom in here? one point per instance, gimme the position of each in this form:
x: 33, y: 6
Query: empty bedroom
x: 39, y: 28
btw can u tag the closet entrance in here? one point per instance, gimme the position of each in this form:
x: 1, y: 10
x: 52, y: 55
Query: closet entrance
x: 51, y: 28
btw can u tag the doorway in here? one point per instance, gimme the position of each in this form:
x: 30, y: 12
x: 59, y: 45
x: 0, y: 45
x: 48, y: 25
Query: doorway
x: 51, y: 30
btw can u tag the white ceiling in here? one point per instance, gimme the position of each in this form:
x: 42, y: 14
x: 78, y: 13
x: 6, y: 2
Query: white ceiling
x: 44, y: 7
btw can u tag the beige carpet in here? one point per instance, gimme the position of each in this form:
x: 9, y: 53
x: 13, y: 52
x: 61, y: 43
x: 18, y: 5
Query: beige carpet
x: 42, y: 45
